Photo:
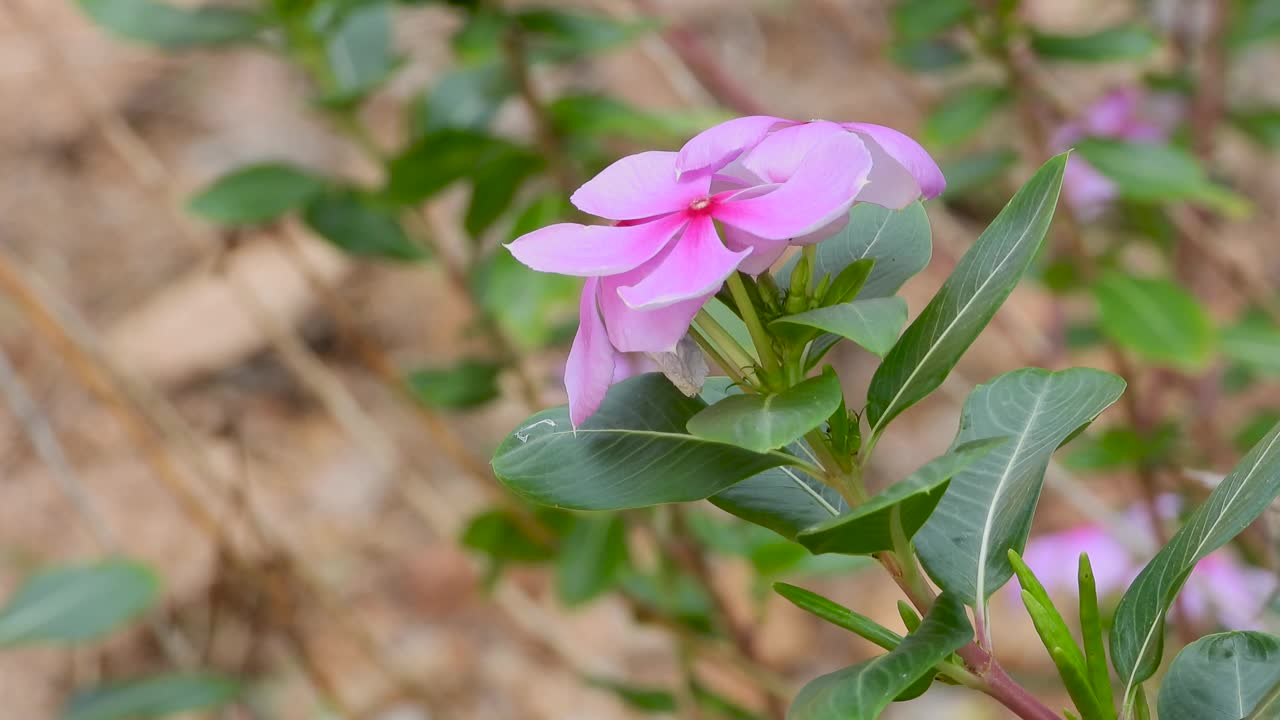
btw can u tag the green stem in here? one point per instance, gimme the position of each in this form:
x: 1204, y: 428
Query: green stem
x: 810, y: 253
x: 716, y: 357
x: 738, y: 359
x: 759, y: 336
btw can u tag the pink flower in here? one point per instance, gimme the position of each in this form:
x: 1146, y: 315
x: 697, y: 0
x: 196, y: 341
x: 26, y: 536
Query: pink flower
x: 650, y: 273
x: 1124, y: 114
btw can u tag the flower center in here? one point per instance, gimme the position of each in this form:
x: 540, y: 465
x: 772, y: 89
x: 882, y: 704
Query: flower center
x: 700, y: 204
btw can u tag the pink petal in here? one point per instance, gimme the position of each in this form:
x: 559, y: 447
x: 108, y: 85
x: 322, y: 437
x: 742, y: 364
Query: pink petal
x: 908, y: 153
x: 764, y: 253
x: 715, y: 147
x: 822, y: 189
x: 644, y: 330
x: 779, y: 155
x: 697, y: 264
x: 1088, y: 191
x: 589, y: 370
x: 639, y: 186
x: 826, y: 231
x: 590, y: 250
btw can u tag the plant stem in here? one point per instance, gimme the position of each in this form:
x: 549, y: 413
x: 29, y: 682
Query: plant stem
x: 810, y: 253
x: 739, y: 360
x: 759, y: 336
x: 717, y: 358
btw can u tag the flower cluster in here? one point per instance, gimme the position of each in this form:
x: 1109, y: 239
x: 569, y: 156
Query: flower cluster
x: 732, y: 199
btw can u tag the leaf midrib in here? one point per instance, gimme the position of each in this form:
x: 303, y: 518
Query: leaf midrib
x: 972, y: 298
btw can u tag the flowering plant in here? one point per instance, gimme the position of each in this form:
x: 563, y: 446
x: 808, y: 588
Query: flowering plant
x: 779, y: 443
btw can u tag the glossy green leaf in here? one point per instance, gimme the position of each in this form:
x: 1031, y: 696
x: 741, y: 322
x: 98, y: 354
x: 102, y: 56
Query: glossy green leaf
x: 1151, y: 172
x: 1137, y: 632
x: 361, y: 225
x: 1122, y: 42
x: 867, y: 529
x: 1155, y: 319
x: 591, y: 557
x: 976, y: 171
x: 1220, y: 677
x: 167, y: 26
x: 77, y: 603
x: 988, y: 507
x: 153, y: 697
x: 466, y: 98
x: 963, y: 112
x: 360, y: 53
x: 784, y: 499
x: 762, y: 422
x: 256, y: 194
x: 899, y: 241
x: 874, y: 323
x: 916, y: 19
x: 1095, y: 653
x: 1254, y: 343
x: 957, y: 314
x: 632, y: 452
x: 863, y: 691
x: 467, y: 384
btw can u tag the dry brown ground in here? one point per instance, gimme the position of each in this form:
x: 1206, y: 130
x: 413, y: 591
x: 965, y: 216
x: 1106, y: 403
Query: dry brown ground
x: 298, y: 455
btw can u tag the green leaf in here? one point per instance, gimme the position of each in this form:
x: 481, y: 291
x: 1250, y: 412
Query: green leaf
x: 1152, y: 172
x: 360, y: 224
x: 1253, y: 21
x: 929, y: 55
x: 465, y: 98
x: 152, y: 697
x: 963, y: 112
x: 988, y: 507
x: 1091, y: 632
x: 1155, y: 319
x: 500, y: 535
x: 1261, y: 124
x: 874, y: 323
x: 631, y: 453
x: 783, y: 499
x: 441, y: 158
x: 1255, y: 343
x: 581, y: 115
x: 1220, y: 677
x: 1122, y: 42
x: 494, y: 186
x: 468, y: 384
x: 559, y: 35
x: 256, y: 194
x: 1137, y: 632
x: 77, y: 603
x: 591, y: 558
x: 862, y: 691
x: 918, y: 19
x: 976, y: 170
x: 839, y: 615
x: 769, y: 421
x: 165, y: 26
x: 360, y: 54
x: 967, y: 301
x: 899, y: 241
x: 867, y: 529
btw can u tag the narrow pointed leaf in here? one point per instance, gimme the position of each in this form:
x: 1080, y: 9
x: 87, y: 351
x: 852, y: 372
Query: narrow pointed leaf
x: 839, y: 615
x: 967, y: 301
x: 874, y: 323
x: 1152, y: 172
x: 631, y: 453
x: 1122, y: 42
x: 77, y: 603
x: 900, y: 242
x: 866, y: 530
x: 1221, y: 677
x: 988, y: 507
x: 862, y: 692
x: 1095, y: 655
x: 1137, y: 632
x: 256, y: 194
x: 774, y: 420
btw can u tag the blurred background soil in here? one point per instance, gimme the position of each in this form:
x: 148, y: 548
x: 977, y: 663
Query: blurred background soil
x: 306, y: 519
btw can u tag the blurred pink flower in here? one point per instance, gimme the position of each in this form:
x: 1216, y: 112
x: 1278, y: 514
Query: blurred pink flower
x: 650, y: 273
x: 1221, y: 589
x: 1128, y: 114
